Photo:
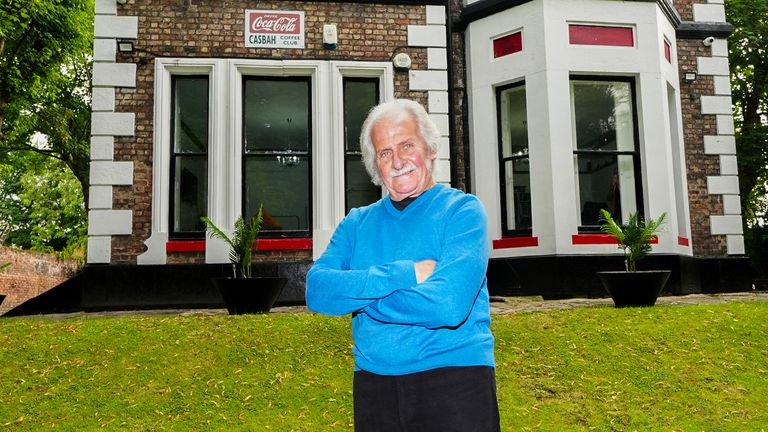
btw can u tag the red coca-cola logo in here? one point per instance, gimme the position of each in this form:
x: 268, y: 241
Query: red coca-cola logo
x: 274, y: 23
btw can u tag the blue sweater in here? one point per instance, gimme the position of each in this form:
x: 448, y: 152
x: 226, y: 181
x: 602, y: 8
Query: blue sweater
x: 399, y: 326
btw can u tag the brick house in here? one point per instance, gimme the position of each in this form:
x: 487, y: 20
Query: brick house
x: 550, y: 110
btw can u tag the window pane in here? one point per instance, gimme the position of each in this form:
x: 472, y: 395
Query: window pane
x: 281, y: 184
x: 276, y: 115
x: 359, y: 190
x: 190, y: 201
x: 606, y: 182
x: 190, y: 115
x: 359, y: 97
x: 518, y: 189
x: 603, y: 115
x: 514, y: 122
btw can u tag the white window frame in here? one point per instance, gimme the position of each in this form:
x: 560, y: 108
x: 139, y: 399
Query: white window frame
x: 224, y: 163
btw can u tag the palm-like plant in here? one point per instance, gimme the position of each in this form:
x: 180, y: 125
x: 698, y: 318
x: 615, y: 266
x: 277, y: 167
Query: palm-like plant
x: 634, y: 238
x: 241, y: 243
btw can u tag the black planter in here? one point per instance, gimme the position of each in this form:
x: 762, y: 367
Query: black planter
x: 248, y: 296
x: 640, y: 288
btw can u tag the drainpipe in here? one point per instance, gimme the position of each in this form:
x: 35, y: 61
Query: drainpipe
x: 452, y: 142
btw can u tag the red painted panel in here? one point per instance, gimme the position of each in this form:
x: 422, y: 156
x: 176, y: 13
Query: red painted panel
x: 185, y: 246
x: 263, y: 244
x: 601, y: 35
x: 508, y: 44
x: 667, y: 51
x: 285, y: 244
x: 593, y: 239
x: 682, y: 241
x: 515, y: 242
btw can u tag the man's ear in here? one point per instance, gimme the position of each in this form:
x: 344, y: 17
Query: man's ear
x: 432, y: 155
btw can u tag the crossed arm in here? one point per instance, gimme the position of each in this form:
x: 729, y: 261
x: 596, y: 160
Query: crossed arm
x: 428, y: 293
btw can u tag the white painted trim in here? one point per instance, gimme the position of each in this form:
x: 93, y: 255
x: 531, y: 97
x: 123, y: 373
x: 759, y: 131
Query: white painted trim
x: 113, y: 123
x: 718, y: 185
x: 106, y: 7
x: 735, y: 244
x: 703, y: 12
x: 100, y: 198
x: 727, y: 224
x: 731, y: 204
x: 421, y: 80
x: 719, y: 144
x: 716, y: 105
x: 99, y: 249
x: 114, y: 74
x: 728, y: 165
x: 165, y: 68
x: 109, y: 222
x: 437, y: 58
x: 111, y: 173
x: 102, y: 148
x: 435, y: 14
x: 426, y: 35
x: 725, y: 124
x: 104, y: 50
x: 437, y: 101
x: 120, y: 27
x: 224, y: 163
x: 712, y: 66
x: 103, y: 99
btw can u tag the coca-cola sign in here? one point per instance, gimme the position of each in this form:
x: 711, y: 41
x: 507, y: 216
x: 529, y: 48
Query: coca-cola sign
x: 274, y: 29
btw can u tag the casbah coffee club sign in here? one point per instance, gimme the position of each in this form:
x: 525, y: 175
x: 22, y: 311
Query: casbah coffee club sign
x: 274, y: 29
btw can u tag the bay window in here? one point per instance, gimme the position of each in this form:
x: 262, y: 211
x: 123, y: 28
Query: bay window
x: 606, y: 159
x: 514, y: 162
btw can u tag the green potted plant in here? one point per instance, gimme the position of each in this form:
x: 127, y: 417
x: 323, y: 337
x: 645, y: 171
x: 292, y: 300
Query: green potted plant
x: 632, y: 287
x: 244, y: 293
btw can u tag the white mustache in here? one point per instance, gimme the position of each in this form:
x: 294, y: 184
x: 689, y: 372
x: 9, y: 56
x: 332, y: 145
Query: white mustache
x: 402, y: 171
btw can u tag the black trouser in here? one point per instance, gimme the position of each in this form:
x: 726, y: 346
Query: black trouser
x: 460, y: 399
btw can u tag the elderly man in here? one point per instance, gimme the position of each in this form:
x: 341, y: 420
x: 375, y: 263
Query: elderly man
x: 410, y: 268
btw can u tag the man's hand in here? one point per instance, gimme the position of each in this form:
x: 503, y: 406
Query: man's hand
x: 424, y: 269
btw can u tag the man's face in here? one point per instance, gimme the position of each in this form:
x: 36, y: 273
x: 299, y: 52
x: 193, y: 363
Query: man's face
x: 403, y: 157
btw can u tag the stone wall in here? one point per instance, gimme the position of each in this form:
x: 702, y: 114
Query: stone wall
x: 29, y: 275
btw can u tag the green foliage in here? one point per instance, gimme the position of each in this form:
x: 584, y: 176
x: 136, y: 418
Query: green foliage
x: 45, y: 51
x: 756, y: 244
x: 4, y: 265
x: 241, y: 243
x: 748, y: 57
x: 682, y: 368
x: 634, y: 238
x: 41, y: 206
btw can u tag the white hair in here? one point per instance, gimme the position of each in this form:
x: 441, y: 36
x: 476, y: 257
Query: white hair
x: 427, y: 130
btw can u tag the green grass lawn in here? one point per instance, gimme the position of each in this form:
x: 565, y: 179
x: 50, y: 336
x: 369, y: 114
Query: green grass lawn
x: 689, y: 368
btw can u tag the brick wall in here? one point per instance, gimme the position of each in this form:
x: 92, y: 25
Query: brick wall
x: 29, y: 275
x: 172, y: 28
x: 685, y: 8
x: 699, y: 165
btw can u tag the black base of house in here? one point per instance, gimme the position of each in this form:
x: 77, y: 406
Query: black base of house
x: 126, y: 287
x: 566, y: 276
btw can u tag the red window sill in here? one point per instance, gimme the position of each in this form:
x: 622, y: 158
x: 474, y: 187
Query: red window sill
x: 262, y: 244
x: 595, y: 239
x: 515, y: 242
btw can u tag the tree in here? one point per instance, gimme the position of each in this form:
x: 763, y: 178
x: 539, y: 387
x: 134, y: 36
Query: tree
x: 748, y: 56
x: 45, y: 51
x: 41, y: 205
